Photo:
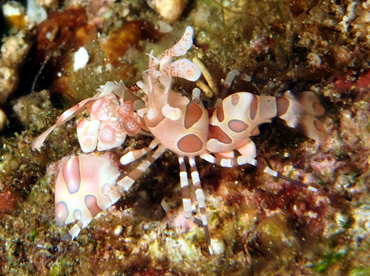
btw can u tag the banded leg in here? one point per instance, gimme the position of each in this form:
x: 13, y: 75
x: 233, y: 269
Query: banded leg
x: 242, y: 160
x: 201, y: 199
x: 211, y: 88
x: 248, y: 78
x: 185, y: 189
x: 234, y: 73
x: 126, y: 182
x: 136, y: 154
x: 228, y: 82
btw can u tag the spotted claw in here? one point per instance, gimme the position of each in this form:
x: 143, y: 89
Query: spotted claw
x: 85, y: 187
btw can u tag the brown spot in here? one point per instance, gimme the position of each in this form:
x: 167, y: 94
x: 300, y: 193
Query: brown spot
x: 254, y: 107
x: 92, y: 205
x: 217, y: 133
x: 318, y: 108
x: 319, y: 126
x: 193, y: 114
x: 220, y: 113
x: 190, y: 143
x: 282, y: 105
x: 61, y: 213
x: 237, y: 125
x: 255, y: 131
x: 72, y: 175
x: 235, y: 99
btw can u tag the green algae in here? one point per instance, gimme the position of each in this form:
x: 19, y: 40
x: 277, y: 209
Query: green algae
x: 329, y: 260
x: 63, y: 266
x: 360, y: 271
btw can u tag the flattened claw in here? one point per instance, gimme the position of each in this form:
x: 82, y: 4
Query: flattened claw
x: 85, y: 187
x: 118, y: 89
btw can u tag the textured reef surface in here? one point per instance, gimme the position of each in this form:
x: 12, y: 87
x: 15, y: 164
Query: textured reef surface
x: 259, y: 225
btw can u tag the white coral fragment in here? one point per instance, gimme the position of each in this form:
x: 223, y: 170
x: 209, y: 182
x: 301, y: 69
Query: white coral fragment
x: 170, y: 10
x: 35, y: 13
x: 81, y: 58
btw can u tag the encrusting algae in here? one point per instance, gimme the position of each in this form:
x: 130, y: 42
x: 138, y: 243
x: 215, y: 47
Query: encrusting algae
x: 258, y: 224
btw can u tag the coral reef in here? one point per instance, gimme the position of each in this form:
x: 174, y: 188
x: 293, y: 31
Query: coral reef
x: 259, y: 225
x: 13, y: 52
x: 171, y: 10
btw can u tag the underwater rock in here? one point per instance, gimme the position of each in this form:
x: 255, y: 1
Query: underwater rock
x: 13, y: 52
x: 8, y: 82
x: 171, y: 11
x: 3, y: 120
x: 35, y: 12
x: 125, y: 38
x: 14, y: 15
x: 259, y: 226
x: 7, y: 203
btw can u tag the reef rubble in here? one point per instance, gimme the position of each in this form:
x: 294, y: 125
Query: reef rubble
x: 259, y: 225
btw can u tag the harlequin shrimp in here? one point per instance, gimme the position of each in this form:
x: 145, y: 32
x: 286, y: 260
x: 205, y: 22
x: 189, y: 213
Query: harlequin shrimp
x: 184, y: 126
